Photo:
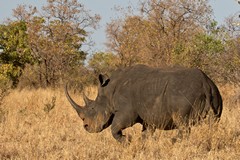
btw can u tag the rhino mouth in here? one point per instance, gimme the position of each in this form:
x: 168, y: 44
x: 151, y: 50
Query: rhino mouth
x: 99, y: 128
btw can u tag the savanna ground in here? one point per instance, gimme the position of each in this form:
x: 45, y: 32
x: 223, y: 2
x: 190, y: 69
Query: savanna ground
x: 41, y: 124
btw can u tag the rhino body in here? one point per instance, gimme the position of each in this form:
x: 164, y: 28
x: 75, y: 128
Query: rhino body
x: 154, y: 97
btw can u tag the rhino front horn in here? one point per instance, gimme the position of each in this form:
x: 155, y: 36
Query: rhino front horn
x: 78, y: 108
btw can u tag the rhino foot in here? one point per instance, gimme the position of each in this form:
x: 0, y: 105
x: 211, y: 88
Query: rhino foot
x: 125, y: 140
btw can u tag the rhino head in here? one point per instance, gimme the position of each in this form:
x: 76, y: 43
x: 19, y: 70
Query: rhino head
x: 96, y: 114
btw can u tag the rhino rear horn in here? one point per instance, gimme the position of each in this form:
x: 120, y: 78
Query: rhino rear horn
x: 104, y: 80
x: 78, y: 108
x: 86, y: 100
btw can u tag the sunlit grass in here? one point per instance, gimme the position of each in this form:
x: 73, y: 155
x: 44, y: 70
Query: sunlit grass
x: 29, y: 131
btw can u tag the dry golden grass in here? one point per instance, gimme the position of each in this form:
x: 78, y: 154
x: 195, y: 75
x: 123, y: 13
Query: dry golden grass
x: 41, y: 124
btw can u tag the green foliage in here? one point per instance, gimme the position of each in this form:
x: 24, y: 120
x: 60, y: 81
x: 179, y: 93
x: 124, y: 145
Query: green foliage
x: 16, y: 52
x: 9, y: 75
x: 218, y: 59
x: 14, y: 41
x: 207, y: 44
x: 231, y: 60
x: 103, y: 62
x: 205, y: 51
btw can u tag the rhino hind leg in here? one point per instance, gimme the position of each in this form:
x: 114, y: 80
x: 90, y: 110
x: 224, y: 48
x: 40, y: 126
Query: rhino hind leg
x: 182, y: 124
x: 183, y: 132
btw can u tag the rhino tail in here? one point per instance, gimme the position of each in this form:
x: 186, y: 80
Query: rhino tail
x: 214, y: 99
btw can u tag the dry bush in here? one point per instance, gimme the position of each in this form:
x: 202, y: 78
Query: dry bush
x: 29, y: 132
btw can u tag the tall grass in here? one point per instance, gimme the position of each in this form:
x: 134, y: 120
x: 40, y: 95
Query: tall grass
x: 41, y: 124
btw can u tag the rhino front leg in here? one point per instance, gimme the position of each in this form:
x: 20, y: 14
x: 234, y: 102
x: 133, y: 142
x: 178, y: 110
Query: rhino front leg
x: 147, y: 130
x: 117, y: 134
x: 120, y: 122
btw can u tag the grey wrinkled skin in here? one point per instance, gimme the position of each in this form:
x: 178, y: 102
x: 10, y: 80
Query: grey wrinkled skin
x: 154, y: 97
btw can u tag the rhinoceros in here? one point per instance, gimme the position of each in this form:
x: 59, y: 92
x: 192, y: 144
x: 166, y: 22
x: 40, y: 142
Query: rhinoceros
x: 153, y: 97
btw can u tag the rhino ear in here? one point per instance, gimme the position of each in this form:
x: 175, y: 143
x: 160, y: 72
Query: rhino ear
x: 103, y: 79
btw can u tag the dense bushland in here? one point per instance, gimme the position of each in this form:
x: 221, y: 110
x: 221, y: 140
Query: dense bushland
x: 44, y: 47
